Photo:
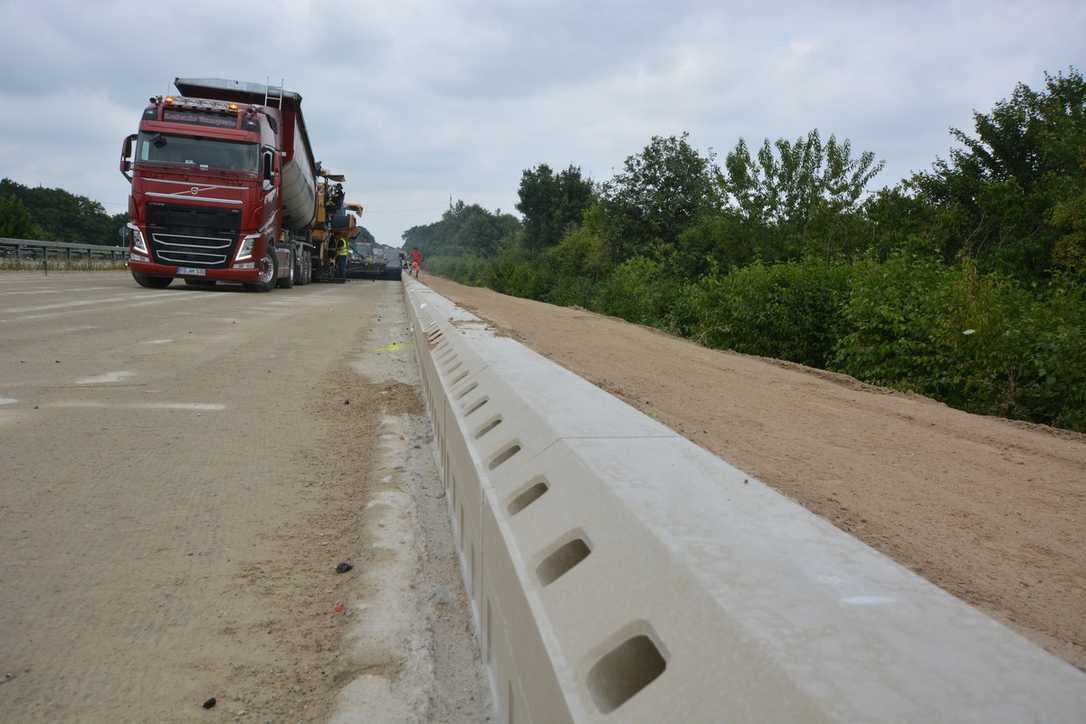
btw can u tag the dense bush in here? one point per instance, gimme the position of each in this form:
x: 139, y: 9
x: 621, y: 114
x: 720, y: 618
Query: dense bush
x: 964, y: 283
x: 981, y: 342
x: 792, y: 310
x: 638, y: 290
x: 894, y: 329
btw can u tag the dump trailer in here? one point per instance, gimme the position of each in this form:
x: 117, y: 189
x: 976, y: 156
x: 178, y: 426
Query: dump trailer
x: 224, y: 187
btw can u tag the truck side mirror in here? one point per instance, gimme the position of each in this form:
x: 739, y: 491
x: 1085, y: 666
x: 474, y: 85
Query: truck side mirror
x: 126, y: 157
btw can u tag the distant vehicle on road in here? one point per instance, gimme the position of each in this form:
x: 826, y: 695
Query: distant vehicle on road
x: 370, y: 261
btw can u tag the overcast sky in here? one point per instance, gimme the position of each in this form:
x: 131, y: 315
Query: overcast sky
x: 417, y: 102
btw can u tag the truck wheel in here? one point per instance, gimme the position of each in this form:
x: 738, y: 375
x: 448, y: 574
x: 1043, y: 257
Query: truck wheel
x: 145, y: 280
x: 288, y: 281
x: 300, y: 273
x: 307, y: 269
x: 266, y: 281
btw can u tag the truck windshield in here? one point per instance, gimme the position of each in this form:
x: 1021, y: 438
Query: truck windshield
x: 202, y: 152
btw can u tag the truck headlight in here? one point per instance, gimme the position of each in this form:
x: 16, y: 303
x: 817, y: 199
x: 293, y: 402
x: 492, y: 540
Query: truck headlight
x: 245, y: 249
x: 138, y: 244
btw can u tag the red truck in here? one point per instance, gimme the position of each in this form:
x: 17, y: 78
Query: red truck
x: 223, y: 187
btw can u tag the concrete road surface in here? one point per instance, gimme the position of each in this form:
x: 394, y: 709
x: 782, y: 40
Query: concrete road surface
x: 180, y: 473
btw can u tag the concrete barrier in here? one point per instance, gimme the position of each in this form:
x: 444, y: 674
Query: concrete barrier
x: 620, y: 573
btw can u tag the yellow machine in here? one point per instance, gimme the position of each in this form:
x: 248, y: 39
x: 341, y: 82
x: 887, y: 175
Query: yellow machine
x: 332, y: 222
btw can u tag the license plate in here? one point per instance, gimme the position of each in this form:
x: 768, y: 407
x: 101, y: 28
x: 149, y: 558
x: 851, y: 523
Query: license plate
x: 191, y: 271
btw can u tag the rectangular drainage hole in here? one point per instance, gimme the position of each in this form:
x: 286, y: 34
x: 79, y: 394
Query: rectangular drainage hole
x: 475, y: 406
x: 490, y: 425
x: 529, y: 496
x: 560, y: 562
x: 460, y: 377
x: 466, y: 390
x: 626, y: 670
x: 449, y: 370
x: 504, y: 455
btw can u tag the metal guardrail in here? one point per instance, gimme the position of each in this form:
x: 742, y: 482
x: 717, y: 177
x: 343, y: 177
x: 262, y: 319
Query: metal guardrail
x: 59, y: 250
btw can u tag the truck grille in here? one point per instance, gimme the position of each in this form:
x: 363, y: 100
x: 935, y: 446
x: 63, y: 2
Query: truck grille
x: 193, y: 235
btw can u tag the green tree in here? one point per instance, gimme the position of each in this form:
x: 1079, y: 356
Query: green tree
x: 808, y: 192
x: 63, y: 216
x: 15, y: 222
x: 464, y: 229
x: 552, y: 203
x: 1005, y: 195
x: 658, y: 194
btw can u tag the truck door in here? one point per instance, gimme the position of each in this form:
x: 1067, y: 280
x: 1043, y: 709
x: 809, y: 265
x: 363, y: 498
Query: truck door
x: 270, y: 187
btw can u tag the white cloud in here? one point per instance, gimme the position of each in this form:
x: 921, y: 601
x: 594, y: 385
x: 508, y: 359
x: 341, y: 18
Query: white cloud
x: 419, y: 100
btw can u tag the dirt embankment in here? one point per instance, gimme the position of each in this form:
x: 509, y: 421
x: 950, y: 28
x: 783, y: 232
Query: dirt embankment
x: 991, y: 510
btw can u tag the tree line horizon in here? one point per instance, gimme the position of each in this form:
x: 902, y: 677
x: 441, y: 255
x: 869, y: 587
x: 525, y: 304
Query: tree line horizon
x: 962, y: 282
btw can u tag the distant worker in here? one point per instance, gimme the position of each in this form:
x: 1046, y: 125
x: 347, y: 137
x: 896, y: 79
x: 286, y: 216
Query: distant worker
x: 341, y: 257
x: 416, y: 262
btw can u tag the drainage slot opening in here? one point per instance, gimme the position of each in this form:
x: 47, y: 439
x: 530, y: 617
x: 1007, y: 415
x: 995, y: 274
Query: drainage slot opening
x: 460, y: 377
x: 560, y: 562
x: 504, y: 455
x: 490, y: 425
x: 475, y: 406
x: 466, y: 390
x: 451, y: 368
x: 628, y: 669
x: 529, y: 496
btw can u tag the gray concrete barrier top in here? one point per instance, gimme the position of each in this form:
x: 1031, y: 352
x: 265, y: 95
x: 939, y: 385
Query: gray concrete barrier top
x: 618, y: 572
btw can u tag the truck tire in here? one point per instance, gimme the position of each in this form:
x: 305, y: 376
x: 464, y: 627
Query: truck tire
x: 269, y: 268
x: 287, y: 282
x: 145, y: 280
x: 301, y: 280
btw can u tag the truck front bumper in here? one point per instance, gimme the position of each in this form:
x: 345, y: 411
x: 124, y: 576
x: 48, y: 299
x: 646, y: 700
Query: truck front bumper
x: 245, y: 276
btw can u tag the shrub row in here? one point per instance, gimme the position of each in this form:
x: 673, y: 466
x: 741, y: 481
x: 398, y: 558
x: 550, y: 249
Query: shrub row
x: 980, y: 342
